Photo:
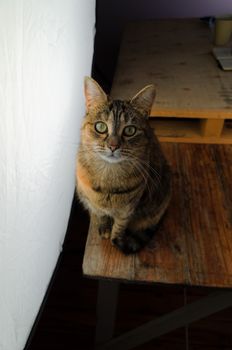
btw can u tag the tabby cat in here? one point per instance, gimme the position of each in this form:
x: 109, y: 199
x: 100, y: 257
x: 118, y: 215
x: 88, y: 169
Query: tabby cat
x: 123, y: 178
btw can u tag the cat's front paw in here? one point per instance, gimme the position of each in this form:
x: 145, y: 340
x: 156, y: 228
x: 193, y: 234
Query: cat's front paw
x: 127, y: 244
x: 104, y: 232
x: 105, y: 227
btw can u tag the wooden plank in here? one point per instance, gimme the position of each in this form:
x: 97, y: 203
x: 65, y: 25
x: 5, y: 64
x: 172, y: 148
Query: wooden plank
x: 174, y: 127
x: 208, y: 228
x: 176, y: 56
x: 212, y: 127
x: 190, y: 130
x: 227, y: 140
x: 194, y: 244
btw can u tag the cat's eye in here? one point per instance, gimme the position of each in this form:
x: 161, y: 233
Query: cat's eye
x: 129, y: 130
x: 101, y: 127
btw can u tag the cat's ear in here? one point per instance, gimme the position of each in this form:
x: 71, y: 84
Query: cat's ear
x: 144, y: 99
x: 94, y: 95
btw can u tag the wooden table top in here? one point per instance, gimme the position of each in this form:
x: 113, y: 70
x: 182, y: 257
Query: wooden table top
x: 176, y: 56
x: 194, y: 243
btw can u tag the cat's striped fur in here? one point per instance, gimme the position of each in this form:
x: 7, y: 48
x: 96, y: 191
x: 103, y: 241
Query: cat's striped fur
x: 123, y: 178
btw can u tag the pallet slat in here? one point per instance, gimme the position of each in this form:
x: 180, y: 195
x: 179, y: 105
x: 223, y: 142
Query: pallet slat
x: 188, y: 130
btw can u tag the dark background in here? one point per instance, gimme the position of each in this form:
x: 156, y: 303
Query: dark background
x: 112, y: 16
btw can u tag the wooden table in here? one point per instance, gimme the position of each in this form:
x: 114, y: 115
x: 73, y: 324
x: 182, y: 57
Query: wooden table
x: 193, y: 246
x: 194, y: 95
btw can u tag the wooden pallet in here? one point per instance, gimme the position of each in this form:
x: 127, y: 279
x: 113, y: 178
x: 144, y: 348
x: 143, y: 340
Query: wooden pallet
x: 194, y: 96
x: 193, y: 130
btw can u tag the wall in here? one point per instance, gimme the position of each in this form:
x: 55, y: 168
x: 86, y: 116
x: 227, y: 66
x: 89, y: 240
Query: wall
x: 113, y: 15
x: 46, y: 48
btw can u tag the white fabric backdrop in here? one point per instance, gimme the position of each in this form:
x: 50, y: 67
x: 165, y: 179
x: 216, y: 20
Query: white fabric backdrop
x: 46, y: 48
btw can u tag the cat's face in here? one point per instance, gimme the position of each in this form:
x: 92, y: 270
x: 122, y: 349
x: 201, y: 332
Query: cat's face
x: 116, y: 131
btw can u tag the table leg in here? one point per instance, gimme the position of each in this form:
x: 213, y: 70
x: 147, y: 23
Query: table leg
x: 167, y: 323
x: 106, y: 310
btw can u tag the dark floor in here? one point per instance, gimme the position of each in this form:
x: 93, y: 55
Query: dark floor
x: 68, y: 319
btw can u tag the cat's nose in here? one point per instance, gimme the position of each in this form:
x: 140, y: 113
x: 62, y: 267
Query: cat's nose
x: 113, y: 147
x: 113, y: 143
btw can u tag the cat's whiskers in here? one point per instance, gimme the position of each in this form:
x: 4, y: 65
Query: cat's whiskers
x: 149, y: 167
x: 146, y: 176
x: 136, y: 162
x: 152, y: 185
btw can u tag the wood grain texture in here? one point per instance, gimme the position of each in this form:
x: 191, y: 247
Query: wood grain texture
x: 212, y: 127
x: 176, y: 56
x: 69, y: 317
x: 192, y: 130
x: 194, y: 243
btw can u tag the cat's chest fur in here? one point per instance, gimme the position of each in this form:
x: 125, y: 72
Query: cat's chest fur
x: 110, y: 191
